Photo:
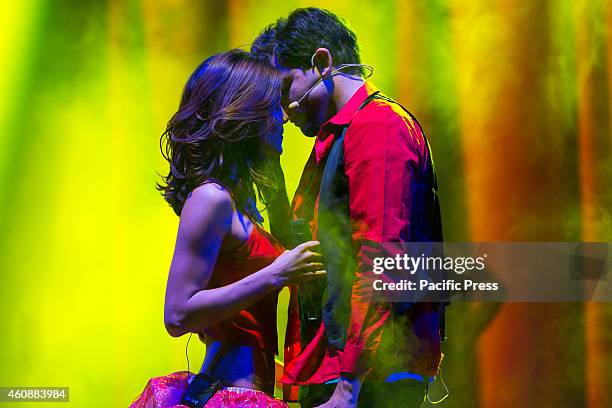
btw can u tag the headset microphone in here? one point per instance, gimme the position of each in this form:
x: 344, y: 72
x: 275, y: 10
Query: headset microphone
x: 296, y: 104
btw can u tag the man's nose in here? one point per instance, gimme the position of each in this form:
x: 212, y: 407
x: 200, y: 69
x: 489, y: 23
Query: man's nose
x: 285, y: 117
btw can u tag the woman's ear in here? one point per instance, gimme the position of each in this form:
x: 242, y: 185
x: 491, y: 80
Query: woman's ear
x: 322, y: 60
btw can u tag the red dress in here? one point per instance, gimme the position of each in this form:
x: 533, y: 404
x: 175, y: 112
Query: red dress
x: 254, y: 326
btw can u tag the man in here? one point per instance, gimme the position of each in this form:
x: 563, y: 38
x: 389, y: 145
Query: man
x: 369, y: 180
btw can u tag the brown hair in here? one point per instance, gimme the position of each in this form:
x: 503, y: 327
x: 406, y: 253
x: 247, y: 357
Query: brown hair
x: 227, y: 105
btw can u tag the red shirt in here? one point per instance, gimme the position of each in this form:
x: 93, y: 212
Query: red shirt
x: 384, y: 149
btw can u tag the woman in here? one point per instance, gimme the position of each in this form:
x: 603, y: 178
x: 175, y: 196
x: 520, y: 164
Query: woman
x: 226, y: 270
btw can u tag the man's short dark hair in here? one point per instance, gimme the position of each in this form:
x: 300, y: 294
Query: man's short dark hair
x: 307, y: 29
x: 263, y: 46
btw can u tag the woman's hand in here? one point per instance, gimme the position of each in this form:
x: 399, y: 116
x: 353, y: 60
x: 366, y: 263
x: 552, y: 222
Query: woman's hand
x: 299, y: 265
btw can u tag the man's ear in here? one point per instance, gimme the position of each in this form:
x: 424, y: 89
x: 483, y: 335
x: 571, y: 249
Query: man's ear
x: 322, y: 60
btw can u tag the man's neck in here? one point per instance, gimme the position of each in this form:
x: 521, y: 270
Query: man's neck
x: 344, y: 88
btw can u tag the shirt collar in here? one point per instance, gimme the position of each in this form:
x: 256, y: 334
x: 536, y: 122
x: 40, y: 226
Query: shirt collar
x: 343, y: 117
x: 345, y: 114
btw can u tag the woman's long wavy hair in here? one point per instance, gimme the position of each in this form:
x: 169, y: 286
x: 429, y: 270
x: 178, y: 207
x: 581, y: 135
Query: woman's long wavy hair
x: 226, y: 107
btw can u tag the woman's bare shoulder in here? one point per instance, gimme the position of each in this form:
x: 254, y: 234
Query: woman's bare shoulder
x: 212, y: 193
x: 208, y: 203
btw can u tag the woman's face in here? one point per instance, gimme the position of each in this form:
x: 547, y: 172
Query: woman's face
x: 273, y: 141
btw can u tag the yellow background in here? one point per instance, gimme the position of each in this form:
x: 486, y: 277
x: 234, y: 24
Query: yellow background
x: 514, y: 96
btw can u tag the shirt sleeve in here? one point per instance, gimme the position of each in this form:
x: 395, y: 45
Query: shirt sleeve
x: 383, y: 154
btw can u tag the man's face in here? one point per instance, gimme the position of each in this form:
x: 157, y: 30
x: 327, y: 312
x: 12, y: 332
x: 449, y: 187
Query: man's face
x: 312, y: 111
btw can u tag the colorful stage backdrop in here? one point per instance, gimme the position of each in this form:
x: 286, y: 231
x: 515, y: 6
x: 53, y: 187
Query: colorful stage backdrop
x: 515, y: 98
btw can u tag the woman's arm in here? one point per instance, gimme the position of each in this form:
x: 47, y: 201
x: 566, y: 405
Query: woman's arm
x: 205, y: 221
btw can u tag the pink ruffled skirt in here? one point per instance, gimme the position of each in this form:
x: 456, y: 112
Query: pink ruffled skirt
x: 167, y: 391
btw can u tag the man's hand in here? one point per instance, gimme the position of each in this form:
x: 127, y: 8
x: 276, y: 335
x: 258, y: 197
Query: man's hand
x: 345, y: 395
